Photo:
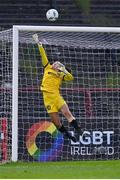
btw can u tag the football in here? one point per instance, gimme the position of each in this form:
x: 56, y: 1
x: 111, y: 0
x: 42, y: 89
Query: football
x: 52, y: 14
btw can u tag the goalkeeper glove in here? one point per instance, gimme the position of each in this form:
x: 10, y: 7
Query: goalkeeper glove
x: 35, y: 38
x: 62, y: 69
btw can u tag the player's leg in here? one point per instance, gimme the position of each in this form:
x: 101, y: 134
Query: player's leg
x: 56, y: 121
x: 51, y: 103
x: 71, y: 119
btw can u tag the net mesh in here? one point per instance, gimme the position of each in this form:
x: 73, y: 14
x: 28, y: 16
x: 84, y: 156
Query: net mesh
x: 5, y: 95
x: 93, y: 96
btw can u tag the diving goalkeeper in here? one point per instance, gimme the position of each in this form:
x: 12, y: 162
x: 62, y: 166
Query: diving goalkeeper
x: 52, y: 79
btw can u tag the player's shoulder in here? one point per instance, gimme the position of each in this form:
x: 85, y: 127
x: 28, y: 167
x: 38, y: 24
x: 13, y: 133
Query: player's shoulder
x: 47, y: 66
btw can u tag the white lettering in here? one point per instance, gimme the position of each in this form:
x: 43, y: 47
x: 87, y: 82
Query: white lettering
x: 110, y: 150
x: 95, y: 138
x: 108, y: 133
x: 76, y: 150
x: 85, y: 139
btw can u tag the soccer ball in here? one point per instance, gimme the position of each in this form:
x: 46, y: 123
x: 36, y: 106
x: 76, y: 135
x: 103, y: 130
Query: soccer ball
x: 52, y: 14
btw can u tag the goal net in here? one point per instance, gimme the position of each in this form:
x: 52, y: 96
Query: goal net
x: 93, y: 97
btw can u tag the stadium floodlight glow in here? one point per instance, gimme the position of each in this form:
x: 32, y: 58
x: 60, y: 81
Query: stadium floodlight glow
x: 93, y: 55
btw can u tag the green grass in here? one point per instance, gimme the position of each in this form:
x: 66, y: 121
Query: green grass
x: 62, y: 170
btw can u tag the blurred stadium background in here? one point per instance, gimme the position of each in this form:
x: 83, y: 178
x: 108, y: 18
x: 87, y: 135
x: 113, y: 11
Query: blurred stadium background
x: 72, y: 12
x: 92, y: 13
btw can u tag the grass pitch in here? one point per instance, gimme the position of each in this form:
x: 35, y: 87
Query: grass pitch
x: 61, y: 170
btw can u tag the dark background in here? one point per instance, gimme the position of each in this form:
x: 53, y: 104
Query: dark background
x: 71, y: 12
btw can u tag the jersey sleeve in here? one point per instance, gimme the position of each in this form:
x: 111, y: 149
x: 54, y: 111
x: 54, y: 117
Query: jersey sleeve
x: 68, y: 77
x: 45, y: 61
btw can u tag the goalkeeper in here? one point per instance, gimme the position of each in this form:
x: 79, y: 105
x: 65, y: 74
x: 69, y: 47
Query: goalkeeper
x: 53, y: 76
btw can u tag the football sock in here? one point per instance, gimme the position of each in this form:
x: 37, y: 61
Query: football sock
x: 74, y: 124
x: 62, y: 129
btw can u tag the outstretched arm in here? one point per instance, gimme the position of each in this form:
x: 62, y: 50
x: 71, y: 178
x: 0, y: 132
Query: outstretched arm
x: 45, y: 61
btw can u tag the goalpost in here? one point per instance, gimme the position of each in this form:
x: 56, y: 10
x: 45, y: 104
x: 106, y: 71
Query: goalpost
x: 93, y: 54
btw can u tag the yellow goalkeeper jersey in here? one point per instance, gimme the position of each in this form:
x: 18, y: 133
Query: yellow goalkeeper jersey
x: 52, y: 79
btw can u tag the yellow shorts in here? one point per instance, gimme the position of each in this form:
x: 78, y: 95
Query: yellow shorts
x: 53, y: 102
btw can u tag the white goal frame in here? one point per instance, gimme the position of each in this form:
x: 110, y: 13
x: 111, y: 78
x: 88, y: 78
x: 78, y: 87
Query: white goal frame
x: 16, y: 29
